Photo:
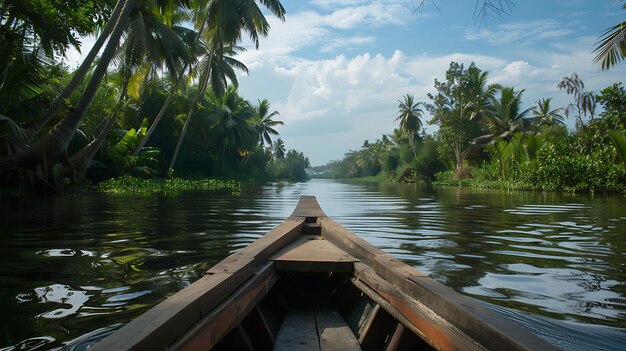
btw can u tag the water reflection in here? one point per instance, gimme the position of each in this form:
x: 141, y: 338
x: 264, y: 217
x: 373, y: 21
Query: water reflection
x: 73, y: 268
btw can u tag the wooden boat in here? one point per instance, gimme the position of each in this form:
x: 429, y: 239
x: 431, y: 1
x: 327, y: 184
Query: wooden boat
x: 310, y: 284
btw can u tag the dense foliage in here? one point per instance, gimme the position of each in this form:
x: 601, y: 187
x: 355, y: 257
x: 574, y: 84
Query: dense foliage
x: 152, y: 95
x: 485, y: 138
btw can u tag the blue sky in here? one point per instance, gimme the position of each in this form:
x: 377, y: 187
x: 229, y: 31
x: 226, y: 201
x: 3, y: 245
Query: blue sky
x: 336, y: 69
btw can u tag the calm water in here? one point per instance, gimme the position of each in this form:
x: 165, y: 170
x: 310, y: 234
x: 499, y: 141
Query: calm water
x: 72, y: 269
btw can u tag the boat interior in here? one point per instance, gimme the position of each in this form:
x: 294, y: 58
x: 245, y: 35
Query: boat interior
x: 317, y: 309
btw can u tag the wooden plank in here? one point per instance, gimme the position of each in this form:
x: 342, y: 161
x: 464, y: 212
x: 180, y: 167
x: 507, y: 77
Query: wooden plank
x: 167, y: 321
x: 308, y: 207
x: 163, y: 324
x: 412, y: 314
x: 403, y: 339
x: 485, y: 327
x: 261, y: 249
x: 334, y: 333
x: 298, y: 332
x: 366, y: 321
x: 313, y: 254
x: 211, y: 329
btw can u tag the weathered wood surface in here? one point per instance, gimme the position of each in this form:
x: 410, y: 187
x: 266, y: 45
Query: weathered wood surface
x: 319, y: 330
x: 298, y: 332
x: 211, y: 329
x: 492, y: 331
x: 308, y: 208
x: 312, y: 253
x: 165, y: 323
x: 417, y: 317
x: 334, y: 334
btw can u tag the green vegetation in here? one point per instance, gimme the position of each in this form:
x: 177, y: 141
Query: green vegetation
x: 611, y: 48
x: 486, y: 139
x: 134, y: 185
x: 152, y: 95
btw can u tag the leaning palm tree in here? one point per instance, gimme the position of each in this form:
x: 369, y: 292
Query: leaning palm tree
x: 409, y: 115
x: 177, y: 64
x: 216, y: 69
x: 222, y: 23
x: 611, y: 48
x: 79, y: 75
x: 51, y: 148
x: 544, y: 116
x: 265, y: 122
x: 150, y: 44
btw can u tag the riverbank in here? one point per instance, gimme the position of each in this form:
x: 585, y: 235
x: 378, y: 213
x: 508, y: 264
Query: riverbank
x: 134, y: 185
x: 479, y: 180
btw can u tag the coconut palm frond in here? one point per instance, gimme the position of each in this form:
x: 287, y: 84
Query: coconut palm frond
x: 611, y: 48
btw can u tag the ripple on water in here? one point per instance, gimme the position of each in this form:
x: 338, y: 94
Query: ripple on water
x: 71, y: 300
x: 65, y: 253
x: 544, y: 209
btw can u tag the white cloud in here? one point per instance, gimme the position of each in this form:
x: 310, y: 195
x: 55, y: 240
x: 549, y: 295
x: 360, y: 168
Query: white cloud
x: 346, y: 43
x: 312, y: 29
x: 330, y: 106
x: 375, y: 14
x: 521, y: 33
x: 333, y: 89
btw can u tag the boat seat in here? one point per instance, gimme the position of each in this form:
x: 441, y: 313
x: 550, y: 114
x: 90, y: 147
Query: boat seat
x: 315, y: 330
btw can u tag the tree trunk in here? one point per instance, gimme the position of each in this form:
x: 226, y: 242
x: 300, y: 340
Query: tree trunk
x: 52, y: 146
x: 192, y: 109
x: 155, y: 122
x: 82, y: 159
x: 202, y: 85
x: 166, y: 104
x: 79, y: 75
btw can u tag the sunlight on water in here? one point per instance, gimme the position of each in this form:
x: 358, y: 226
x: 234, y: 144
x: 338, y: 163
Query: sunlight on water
x: 73, y: 269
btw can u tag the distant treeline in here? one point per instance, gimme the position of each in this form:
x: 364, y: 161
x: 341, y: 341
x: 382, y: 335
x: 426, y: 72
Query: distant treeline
x: 486, y: 138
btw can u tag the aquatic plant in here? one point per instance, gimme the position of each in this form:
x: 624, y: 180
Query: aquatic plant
x: 134, y: 185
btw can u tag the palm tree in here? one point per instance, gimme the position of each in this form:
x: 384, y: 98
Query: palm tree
x: 51, y: 147
x: 279, y: 148
x: 409, y: 115
x: 177, y: 64
x: 504, y: 118
x: 544, y: 116
x: 23, y: 80
x: 149, y: 44
x: 611, y: 48
x: 265, y: 123
x: 79, y: 75
x: 222, y: 22
x: 232, y: 125
x: 216, y: 67
x: 480, y: 94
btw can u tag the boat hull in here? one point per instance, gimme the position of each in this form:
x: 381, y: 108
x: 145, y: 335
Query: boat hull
x: 310, y: 283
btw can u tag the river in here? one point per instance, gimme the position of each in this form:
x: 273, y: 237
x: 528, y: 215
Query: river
x: 74, y: 268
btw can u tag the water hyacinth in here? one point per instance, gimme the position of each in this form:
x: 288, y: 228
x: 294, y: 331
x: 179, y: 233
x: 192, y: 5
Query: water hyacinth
x: 134, y: 185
